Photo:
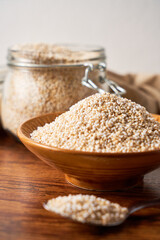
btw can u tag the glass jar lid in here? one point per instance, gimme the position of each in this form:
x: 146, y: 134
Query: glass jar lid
x: 45, y: 55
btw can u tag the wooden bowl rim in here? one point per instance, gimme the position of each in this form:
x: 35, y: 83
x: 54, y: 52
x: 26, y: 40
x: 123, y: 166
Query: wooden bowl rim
x: 21, y: 135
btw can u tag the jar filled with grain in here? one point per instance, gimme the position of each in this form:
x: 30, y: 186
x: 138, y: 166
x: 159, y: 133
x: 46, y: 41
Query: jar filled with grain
x: 45, y: 78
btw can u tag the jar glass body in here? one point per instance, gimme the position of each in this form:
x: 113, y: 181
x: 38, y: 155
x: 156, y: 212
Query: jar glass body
x: 30, y: 91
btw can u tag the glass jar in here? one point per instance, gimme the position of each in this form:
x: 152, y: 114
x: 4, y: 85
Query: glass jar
x: 46, y: 78
x: 34, y: 86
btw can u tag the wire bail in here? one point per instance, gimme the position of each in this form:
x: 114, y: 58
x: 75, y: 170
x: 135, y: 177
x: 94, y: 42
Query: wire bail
x: 118, y: 90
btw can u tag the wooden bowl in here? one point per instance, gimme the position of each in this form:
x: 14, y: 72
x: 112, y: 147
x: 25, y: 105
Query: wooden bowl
x: 91, y: 170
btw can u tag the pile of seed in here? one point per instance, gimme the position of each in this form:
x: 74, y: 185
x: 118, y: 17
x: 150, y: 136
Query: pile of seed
x: 102, y: 123
x: 87, y: 209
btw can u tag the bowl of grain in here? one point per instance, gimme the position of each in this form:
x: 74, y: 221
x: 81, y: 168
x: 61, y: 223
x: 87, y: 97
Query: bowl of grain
x: 104, y: 142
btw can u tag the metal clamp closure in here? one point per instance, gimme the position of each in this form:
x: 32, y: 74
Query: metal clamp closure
x: 116, y: 89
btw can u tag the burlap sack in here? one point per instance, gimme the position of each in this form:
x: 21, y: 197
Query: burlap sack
x: 143, y: 89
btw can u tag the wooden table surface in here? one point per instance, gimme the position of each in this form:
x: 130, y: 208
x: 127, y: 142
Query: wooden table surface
x: 26, y: 182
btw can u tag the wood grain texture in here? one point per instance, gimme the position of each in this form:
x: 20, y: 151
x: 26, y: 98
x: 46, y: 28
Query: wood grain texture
x: 26, y: 182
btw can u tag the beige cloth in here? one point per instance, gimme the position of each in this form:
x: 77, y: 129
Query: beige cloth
x: 143, y: 89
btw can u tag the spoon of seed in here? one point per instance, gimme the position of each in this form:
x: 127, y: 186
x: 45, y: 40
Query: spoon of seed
x: 93, y: 210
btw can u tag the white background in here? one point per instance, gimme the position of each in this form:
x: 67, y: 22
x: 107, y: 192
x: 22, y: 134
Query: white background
x: 128, y: 29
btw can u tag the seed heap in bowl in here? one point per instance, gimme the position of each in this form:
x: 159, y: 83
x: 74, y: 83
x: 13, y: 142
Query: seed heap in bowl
x: 102, y: 123
x: 87, y: 209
